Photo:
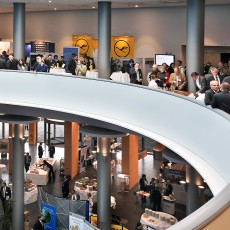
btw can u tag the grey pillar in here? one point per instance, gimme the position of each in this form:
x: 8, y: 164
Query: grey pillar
x: 195, y: 40
x: 193, y: 179
x: 104, y: 38
x: 18, y: 177
x: 103, y: 180
x: 3, y: 130
x: 143, y: 143
x: 48, y: 134
x: 54, y: 131
x: 44, y: 131
x: 19, y: 30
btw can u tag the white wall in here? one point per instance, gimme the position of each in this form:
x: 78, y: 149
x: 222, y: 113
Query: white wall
x: 156, y: 30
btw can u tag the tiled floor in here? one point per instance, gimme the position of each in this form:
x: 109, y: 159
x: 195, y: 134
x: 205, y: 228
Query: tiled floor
x: 126, y: 205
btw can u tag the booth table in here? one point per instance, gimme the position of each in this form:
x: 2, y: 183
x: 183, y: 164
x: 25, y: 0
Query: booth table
x: 91, y: 74
x: 162, y: 222
x: 37, y: 174
x: 168, y: 205
x: 2, y: 169
x: 31, y: 196
x: 121, y: 77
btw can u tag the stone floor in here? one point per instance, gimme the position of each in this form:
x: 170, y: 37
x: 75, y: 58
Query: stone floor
x: 126, y: 205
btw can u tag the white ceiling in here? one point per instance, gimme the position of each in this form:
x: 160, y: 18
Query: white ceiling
x: 48, y: 5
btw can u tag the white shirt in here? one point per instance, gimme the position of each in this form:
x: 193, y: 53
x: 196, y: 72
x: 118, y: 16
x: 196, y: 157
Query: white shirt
x: 198, y: 83
x: 153, y: 85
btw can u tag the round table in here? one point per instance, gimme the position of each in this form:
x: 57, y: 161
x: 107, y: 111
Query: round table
x: 31, y: 196
x: 121, y: 77
x: 158, y: 223
x: 91, y: 74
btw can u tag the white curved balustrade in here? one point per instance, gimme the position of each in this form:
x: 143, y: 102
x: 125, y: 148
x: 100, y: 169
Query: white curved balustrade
x: 195, y: 132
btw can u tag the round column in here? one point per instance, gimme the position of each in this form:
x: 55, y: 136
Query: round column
x: 18, y: 141
x: 195, y: 40
x: 18, y: 176
x: 19, y: 30
x: 103, y: 182
x: 103, y: 171
x: 104, y: 39
x: 193, y: 199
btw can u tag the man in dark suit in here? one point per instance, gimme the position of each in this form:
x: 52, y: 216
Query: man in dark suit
x: 52, y: 150
x: 214, y: 77
x: 50, y: 62
x: 51, y: 170
x: 12, y: 63
x: 39, y: 225
x: 65, y: 187
x: 5, y: 194
x: 40, y: 150
x: 222, y: 100
x: 27, y: 160
x: 73, y: 64
x: 208, y: 97
x: 200, y: 81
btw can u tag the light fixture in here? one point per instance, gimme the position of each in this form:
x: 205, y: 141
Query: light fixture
x: 184, y: 185
x: 200, y: 189
x: 50, y: 1
x: 55, y: 8
x: 93, y: 7
x: 136, y: 6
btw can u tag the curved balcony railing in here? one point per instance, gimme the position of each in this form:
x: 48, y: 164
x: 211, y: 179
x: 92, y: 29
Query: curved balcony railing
x: 195, y: 132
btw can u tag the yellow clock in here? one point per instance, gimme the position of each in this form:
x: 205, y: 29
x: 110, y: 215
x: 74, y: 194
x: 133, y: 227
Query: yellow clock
x: 83, y: 45
x: 122, y: 48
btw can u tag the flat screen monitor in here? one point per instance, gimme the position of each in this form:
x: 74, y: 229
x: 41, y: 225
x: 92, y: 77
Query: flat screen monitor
x: 167, y: 58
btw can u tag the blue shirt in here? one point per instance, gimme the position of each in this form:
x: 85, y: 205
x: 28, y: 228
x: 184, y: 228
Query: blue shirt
x: 41, y: 68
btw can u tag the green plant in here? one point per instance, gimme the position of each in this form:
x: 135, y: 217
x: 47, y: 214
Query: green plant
x: 6, y: 219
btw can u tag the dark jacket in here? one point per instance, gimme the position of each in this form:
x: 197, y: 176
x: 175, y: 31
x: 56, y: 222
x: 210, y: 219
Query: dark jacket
x: 222, y: 101
x: 13, y: 65
x: 65, y: 187
x: 38, y: 226
x: 7, y: 192
x: 208, y: 97
x: 72, y: 66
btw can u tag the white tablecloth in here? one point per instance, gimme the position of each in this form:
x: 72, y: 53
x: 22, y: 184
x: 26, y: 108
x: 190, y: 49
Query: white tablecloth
x: 124, y: 178
x: 121, y: 77
x: 84, y: 193
x: 168, y: 205
x: 2, y: 169
x: 156, y: 223
x: 91, y: 74
x: 31, y: 196
x: 42, y: 177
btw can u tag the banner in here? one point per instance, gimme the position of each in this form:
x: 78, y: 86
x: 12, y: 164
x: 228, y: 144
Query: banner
x: 84, y: 42
x: 122, y: 46
x: 49, y: 214
x: 76, y: 222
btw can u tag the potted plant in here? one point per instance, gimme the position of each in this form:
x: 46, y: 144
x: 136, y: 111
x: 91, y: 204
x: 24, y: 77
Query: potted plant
x: 6, y: 219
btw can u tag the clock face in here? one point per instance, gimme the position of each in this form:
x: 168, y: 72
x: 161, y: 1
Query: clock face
x: 122, y: 48
x: 83, y: 45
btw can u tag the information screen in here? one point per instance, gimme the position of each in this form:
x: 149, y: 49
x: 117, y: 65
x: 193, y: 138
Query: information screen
x: 167, y: 58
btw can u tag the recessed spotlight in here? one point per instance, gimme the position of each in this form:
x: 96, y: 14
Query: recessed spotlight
x: 136, y: 6
x: 93, y: 7
x: 55, y: 8
x: 50, y: 1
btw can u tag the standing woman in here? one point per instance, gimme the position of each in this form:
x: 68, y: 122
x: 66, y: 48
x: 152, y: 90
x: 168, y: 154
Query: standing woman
x: 22, y: 65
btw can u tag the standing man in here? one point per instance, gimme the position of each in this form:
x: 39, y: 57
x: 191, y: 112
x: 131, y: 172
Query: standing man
x: 200, y: 81
x: 177, y: 80
x: 73, y: 64
x: 214, y: 77
x: 40, y: 150
x: 51, y: 170
x: 65, y: 187
x: 39, y: 225
x: 5, y: 195
x: 12, y: 63
x: 27, y: 159
x: 210, y: 93
x: 222, y: 100
x: 52, y: 150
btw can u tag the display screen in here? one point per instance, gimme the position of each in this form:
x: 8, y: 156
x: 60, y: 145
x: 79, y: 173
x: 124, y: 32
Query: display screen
x: 164, y: 58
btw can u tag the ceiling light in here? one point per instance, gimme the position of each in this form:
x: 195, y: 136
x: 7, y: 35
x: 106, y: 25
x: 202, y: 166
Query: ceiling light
x: 50, y: 1
x: 55, y: 8
x: 136, y: 6
x: 93, y: 7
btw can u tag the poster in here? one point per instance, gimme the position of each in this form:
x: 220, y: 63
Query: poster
x: 76, y: 222
x: 84, y: 42
x: 67, y: 53
x: 49, y: 213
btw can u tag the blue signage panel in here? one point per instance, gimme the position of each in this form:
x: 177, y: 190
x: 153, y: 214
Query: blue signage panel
x: 49, y: 214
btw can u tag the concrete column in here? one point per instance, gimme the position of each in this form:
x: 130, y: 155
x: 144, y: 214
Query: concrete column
x: 103, y: 181
x: 19, y: 30
x: 45, y: 130
x: 18, y: 177
x: 195, y: 40
x: 10, y: 149
x: 193, y: 200
x: 71, y: 132
x: 104, y: 38
x: 49, y: 133
x: 130, y: 158
x: 3, y: 130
